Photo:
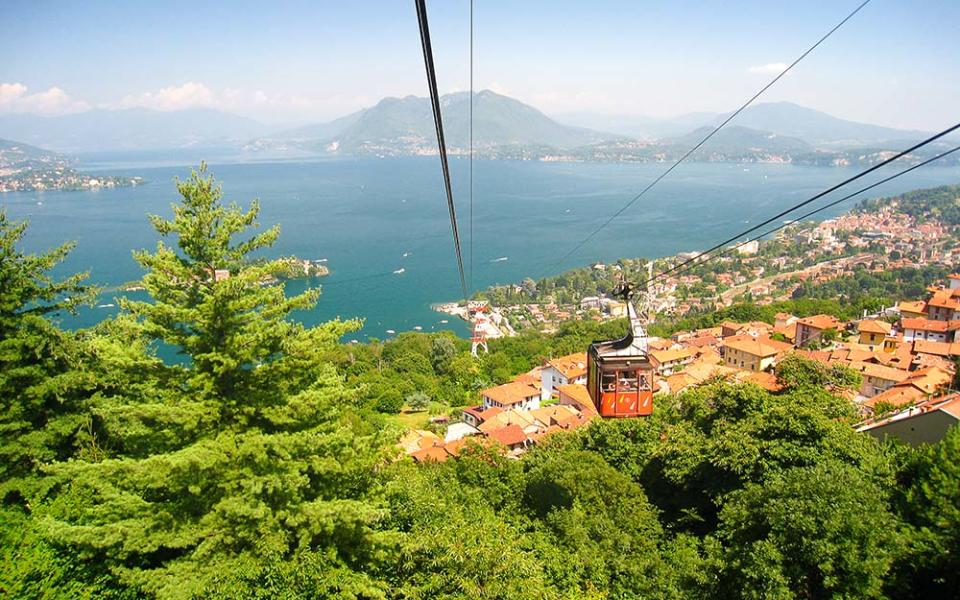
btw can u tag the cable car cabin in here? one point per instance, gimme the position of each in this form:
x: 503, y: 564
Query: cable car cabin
x: 620, y: 375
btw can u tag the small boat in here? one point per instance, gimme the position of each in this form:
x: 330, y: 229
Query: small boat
x: 321, y: 260
x: 400, y: 271
x: 568, y: 210
x: 391, y: 331
x: 406, y: 254
x: 111, y: 305
x: 39, y: 203
x: 444, y: 321
x: 417, y: 328
x: 501, y: 259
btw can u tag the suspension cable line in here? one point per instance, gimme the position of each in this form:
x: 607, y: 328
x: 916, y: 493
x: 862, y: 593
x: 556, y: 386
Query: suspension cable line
x: 786, y: 211
x: 836, y: 202
x: 730, y: 249
x: 686, y: 155
x: 471, y: 144
x: 441, y: 143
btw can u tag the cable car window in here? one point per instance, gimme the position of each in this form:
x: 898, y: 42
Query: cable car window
x: 644, y: 382
x: 628, y: 381
x: 609, y: 382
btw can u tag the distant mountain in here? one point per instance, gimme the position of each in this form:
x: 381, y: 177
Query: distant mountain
x: 130, y: 129
x: 816, y: 127
x: 734, y: 139
x: 17, y: 155
x: 405, y: 126
x: 783, y: 118
x: 27, y: 168
x: 641, y: 127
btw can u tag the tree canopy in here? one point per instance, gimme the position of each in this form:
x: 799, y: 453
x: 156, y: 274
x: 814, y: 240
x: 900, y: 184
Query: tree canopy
x: 263, y: 463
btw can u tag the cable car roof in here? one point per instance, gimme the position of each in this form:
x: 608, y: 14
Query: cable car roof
x: 634, y: 344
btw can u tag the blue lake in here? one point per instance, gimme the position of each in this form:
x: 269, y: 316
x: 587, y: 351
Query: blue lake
x: 363, y: 215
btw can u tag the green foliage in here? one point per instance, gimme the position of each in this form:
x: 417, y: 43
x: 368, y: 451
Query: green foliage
x: 796, y: 372
x: 930, y: 567
x: 263, y: 465
x: 45, y: 385
x: 390, y: 402
x: 260, y: 466
x: 811, y: 532
x: 418, y: 401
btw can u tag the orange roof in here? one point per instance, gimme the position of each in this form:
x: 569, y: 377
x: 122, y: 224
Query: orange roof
x: 937, y: 348
x: 680, y: 381
x: 951, y: 406
x: 787, y: 331
x: 929, y: 379
x: 874, y: 326
x: 659, y: 344
x: 482, y: 414
x: 578, y: 393
x: 817, y: 355
x: 522, y: 418
x: 432, y: 454
x: 419, y: 439
x: 924, y: 324
x: 761, y: 347
x: 896, y: 396
x: 700, y: 341
x: 943, y: 299
x: 665, y: 356
x: 571, y: 366
x: 509, y: 435
x: 820, y: 322
x: 918, y: 307
x: 767, y: 381
x: 558, y: 414
x: 511, y: 393
x: 880, y: 371
x: 529, y: 379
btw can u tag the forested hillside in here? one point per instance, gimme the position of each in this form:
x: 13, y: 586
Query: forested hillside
x: 263, y: 465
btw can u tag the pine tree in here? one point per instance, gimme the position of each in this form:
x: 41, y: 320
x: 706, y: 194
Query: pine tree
x: 41, y: 411
x: 247, y: 471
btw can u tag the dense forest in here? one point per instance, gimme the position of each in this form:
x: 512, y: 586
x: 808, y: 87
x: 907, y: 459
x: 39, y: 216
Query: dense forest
x: 263, y: 465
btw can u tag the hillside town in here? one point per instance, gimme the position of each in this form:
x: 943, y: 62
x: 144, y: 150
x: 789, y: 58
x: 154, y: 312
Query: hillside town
x: 905, y: 357
x: 24, y: 168
x: 761, y: 272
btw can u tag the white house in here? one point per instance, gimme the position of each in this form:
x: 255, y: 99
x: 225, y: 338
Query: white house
x: 562, y: 371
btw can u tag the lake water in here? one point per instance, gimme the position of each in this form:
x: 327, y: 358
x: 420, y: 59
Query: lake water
x: 364, y: 214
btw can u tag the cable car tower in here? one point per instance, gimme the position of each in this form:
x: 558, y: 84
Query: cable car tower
x: 619, y: 372
x: 478, y: 311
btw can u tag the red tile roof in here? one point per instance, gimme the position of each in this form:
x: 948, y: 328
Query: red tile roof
x: 511, y: 393
x: 509, y: 435
x: 571, y: 366
x: 924, y: 325
x: 820, y: 322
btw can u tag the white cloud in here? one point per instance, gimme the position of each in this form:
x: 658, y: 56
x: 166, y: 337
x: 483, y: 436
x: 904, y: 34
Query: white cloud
x: 199, y: 95
x: 54, y: 101
x: 10, y: 92
x: 768, y: 69
x: 188, y: 95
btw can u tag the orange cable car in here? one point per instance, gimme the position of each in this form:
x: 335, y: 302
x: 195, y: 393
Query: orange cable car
x: 619, y: 372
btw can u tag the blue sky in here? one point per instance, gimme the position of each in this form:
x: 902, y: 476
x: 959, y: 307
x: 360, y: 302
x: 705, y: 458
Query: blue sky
x: 896, y: 63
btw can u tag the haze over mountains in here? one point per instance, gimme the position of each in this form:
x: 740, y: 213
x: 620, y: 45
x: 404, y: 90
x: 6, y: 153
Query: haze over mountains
x: 503, y: 128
